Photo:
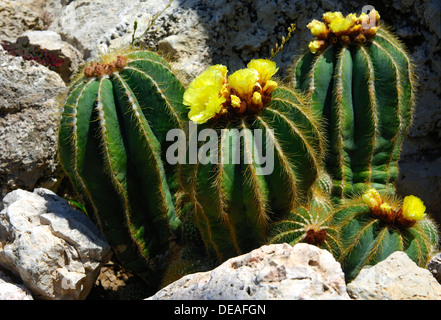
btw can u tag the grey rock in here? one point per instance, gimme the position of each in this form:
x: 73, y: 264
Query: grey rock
x: 395, y: 278
x: 55, y: 250
x: 278, y: 271
x: 90, y: 26
x: 47, y: 9
x: 29, y: 116
x: 434, y: 266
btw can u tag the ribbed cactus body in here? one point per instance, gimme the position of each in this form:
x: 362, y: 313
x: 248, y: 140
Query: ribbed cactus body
x: 366, y: 239
x: 234, y: 202
x: 309, y: 223
x: 112, y: 128
x: 365, y: 94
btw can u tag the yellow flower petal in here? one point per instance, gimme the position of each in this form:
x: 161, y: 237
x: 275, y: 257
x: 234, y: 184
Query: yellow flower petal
x: 318, y: 29
x: 340, y: 25
x: 352, y: 17
x: 257, y: 98
x: 243, y: 81
x: 413, y: 208
x: 363, y: 18
x: 372, y: 198
x: 269, y: 87
x: 316, y: 45
x: 386, y: 209
x: 264, y: 67
x: 328, y: 17
x: 204, y: 94
x: 235, y: 101
x: 221, y: 68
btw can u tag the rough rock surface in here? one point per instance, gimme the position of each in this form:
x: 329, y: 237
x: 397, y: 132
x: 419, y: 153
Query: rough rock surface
x: 47, y: 9
x: 16, y: 18
x: 12, y: 291
x: 277, y: 271
x: 56, y: 250
x: 395, y: 278
x: 434, y: 266
x: 29, y: 115
x: 91, y: 25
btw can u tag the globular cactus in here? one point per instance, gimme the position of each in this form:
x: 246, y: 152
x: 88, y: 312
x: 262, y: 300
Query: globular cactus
x: 360, y: 80
x: 114, y: 123
x: 374, y: 225
x: 251, y: 116
x: 309, y: 223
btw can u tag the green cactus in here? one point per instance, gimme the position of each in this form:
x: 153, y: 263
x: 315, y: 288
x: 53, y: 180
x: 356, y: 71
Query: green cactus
x: 111, y: 139
x: 374, y: 226
x: 309, y: 223
x: 361, y: 81
x: 235, y: 201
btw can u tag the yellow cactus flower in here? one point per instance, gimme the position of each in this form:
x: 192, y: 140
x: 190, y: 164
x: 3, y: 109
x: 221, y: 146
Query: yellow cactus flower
x: 318, y: 29
x: 269, y: 87
x: 374, y: 13
x: 371, y: 32
x: 316, y: 45
x: 328, y: 17
x: 352, y: 17
x: 340, y: 25
x: 356, y: 29
x: 386, y: 209
x: 264, y: 67
x: 235, y: 101
x: 363, y: 18
x: 205, y: 95
x: 369, y: 20
x: 243, y: 82
x: 337, y: 29
x: 257, y: 98
x: 372, y: 198
x: 413, y: 208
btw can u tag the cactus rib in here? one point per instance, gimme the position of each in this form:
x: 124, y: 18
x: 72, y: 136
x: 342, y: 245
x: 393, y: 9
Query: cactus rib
x: 234, y: 202
x: 112, y: 135
x: 365, y: 94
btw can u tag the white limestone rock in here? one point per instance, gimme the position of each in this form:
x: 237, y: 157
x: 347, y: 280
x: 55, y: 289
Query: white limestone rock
x: 55, y: 250
x: 12, y: 291
x: 29, y: 116
x: 278, y: 271
x: 395, y: 278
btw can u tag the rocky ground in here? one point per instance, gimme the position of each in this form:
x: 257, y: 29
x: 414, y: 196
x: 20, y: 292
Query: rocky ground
x: 50, y: 251
x: 61, y: 34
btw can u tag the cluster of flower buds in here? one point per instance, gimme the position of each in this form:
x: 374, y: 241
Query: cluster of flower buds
x: 336, y: 28
x: 101, y: 69
x: 411, y: 210
x: 314, y: 236
x: 213, y: 95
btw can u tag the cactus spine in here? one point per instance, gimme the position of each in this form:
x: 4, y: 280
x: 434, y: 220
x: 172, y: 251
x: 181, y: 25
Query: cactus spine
x: 361, y: 81
x: 309, y: 223
x: 234, y: 200
x: 113, y: 125
x: 371, y: 232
